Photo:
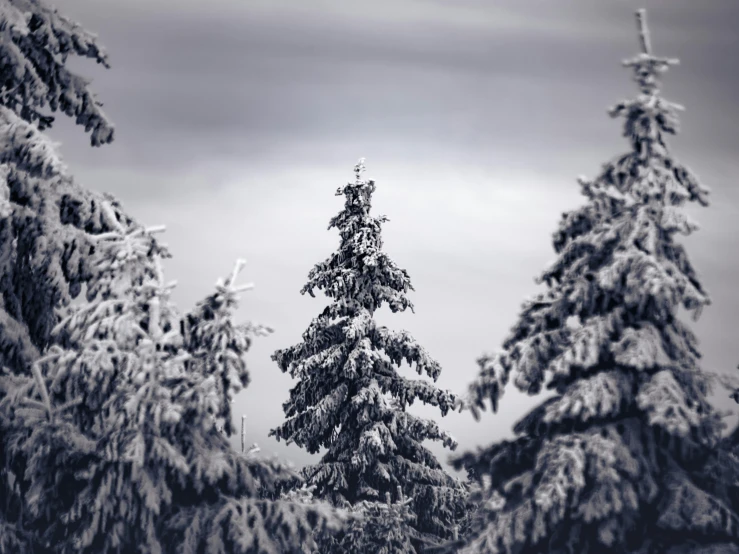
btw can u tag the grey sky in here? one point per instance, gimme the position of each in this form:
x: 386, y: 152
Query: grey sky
x: 238, y: 119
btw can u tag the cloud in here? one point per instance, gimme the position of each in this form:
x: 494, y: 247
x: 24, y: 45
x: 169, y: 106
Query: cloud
x: 386, y: 15
x: 260, y: 80
x: 237, y: 119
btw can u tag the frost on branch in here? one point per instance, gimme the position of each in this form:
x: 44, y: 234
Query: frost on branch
x: 623, y: 457
x: 350, y: 397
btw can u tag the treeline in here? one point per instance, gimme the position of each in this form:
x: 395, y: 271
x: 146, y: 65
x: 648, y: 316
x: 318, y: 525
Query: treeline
x: 115, y: 408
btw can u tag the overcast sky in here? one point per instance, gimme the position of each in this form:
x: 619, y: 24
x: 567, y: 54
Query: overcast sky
x: 236, y: 120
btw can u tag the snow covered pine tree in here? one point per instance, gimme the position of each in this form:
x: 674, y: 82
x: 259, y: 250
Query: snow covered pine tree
x: 351, y: 399
x: 611, y: 463
x: 106, y: 412
x: 121, y: 450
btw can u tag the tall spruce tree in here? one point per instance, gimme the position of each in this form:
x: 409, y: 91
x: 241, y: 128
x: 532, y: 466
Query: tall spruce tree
x: 613, y: 462
x: 350, y: 397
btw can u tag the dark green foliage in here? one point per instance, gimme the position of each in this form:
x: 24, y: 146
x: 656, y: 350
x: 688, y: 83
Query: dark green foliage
x: 350, y: 398
x: 615, y: 461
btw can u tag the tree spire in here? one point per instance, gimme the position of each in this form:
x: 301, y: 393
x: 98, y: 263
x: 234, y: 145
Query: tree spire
x: 359, y: 169
x: 641, y: 22
x: 648, y: 67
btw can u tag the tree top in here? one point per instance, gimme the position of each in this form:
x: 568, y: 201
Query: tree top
x: 647, y: 67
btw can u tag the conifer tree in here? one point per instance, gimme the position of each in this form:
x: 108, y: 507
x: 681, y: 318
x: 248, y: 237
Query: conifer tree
x: 117, y: 424
x: 46, y: 219
x: 45, y: 246
x: 350, y: 397
x: 106, y: 410
x: 613, y: 462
